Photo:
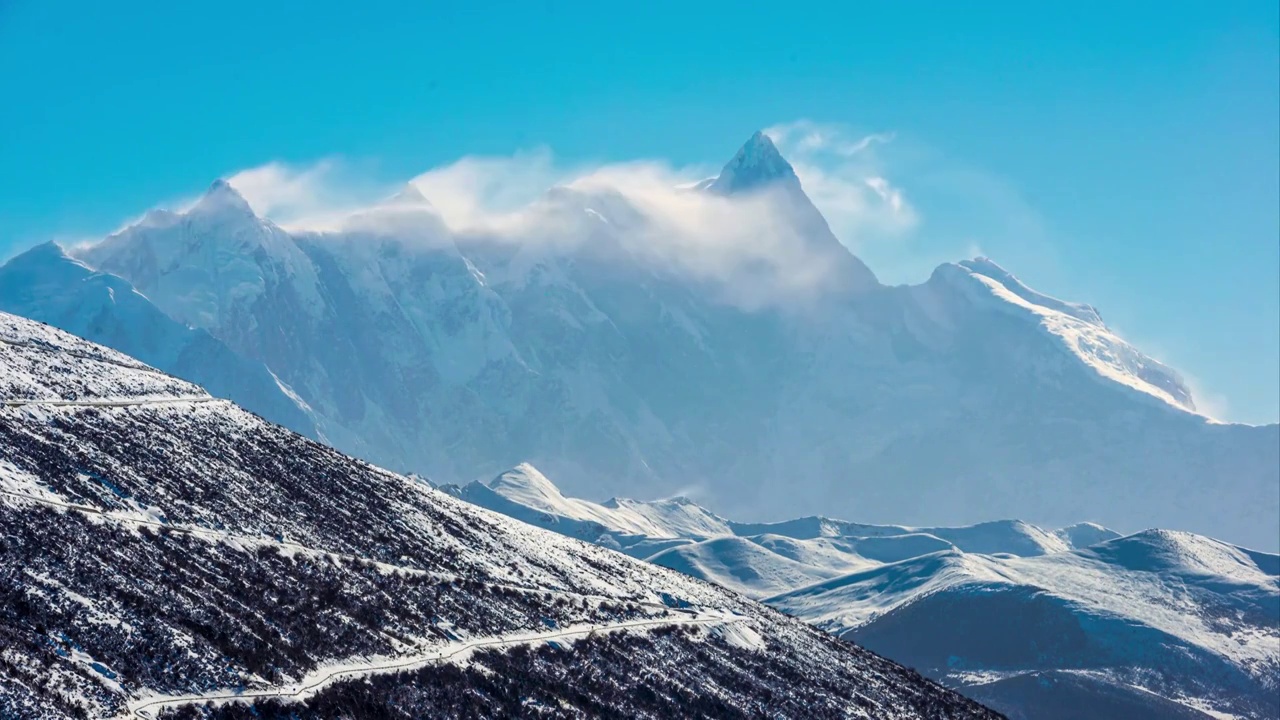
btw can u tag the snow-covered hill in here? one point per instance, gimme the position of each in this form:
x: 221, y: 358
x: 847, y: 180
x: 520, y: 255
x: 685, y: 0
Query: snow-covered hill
x: 1171, y: 614
x: 771, y: 370
x: 1157, y: 624
x: 45, y: 284
x: 637, y: 528
x: 164, y: 549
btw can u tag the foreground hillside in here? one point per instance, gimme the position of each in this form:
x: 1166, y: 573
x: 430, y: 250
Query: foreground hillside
x: 45, y: 284
x: 1077, y: 622
x: 168, y: 554
x: 626, y: 350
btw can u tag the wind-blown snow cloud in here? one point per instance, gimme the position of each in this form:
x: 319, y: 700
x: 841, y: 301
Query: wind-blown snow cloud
x: 845, y: 177
x: 475, y: 191
x: 646, y: 209
x: 868, y: 186
x: 315, y: 195
x: 274, y: 188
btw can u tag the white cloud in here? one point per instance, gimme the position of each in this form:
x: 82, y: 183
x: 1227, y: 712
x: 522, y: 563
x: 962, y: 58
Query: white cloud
x: 474, y: 191
x: 314, y: 196
x: 1211, y: 404
x: 275, y: 188
x: 808, y: 137
x: 844, y: 175
x: 753, y: 245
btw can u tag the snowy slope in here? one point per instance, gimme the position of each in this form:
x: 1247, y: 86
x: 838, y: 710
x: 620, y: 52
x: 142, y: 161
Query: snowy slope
x: 526, y: 494
x: 622, y: 372
x: 45, y: 284
x: 756, y: 559
x: 46, y: 365
x: 1156, y: 624
x: 1079, y: 328
x: 164, y: 549
x: 1175, y: 614
x: 760, y: 566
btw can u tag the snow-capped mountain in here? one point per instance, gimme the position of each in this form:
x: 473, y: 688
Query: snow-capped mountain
x: 643, y: 528
x: 636, y: 528
x: 1034, y: 623
x: 625, y: 364
x: 165, y: 551
x: 45, y: 284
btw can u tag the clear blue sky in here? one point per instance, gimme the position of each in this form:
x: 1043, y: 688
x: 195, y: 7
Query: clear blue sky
x: 1142, y: 139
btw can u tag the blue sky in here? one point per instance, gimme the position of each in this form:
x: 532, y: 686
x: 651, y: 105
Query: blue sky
x: 1121, y: 154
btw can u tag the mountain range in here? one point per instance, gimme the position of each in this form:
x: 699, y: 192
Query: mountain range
x: 46, y: 284
x: 167, y: 554
x: 188, y: 535
x: 1036, y: 623
x: 770, y: 370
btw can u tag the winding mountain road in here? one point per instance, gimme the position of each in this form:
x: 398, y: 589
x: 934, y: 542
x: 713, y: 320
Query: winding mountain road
x: 149, y: 708
x: 110, y: 402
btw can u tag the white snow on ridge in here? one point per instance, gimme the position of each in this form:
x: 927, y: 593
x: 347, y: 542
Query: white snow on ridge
x: 1085, y: 534
x: 527, y: 494
x: 755, y: 567
x: 21, y: 332
x: 531, y: 497
x: 987, y: 268
x: 1079, y: 328
x: 215, y: 262
x: 1156, y: 579
x: 756, y: 559
x: 997, y: 536
x: 840, y: 575
x: 852, y: 600
x: 38, y: 363
x: 44, y: 284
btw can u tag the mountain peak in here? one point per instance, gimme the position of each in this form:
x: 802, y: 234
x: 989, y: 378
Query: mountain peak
x: 525, y: 483
x: 26, y: 275
x: 221, y: 197
x: 408, y: 195
x: 757, y: 163
x: 47, y: 250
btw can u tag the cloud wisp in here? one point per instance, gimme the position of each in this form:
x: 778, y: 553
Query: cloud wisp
x: 841, y: 173
x: 846, y: 177
x: 755, y: 246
